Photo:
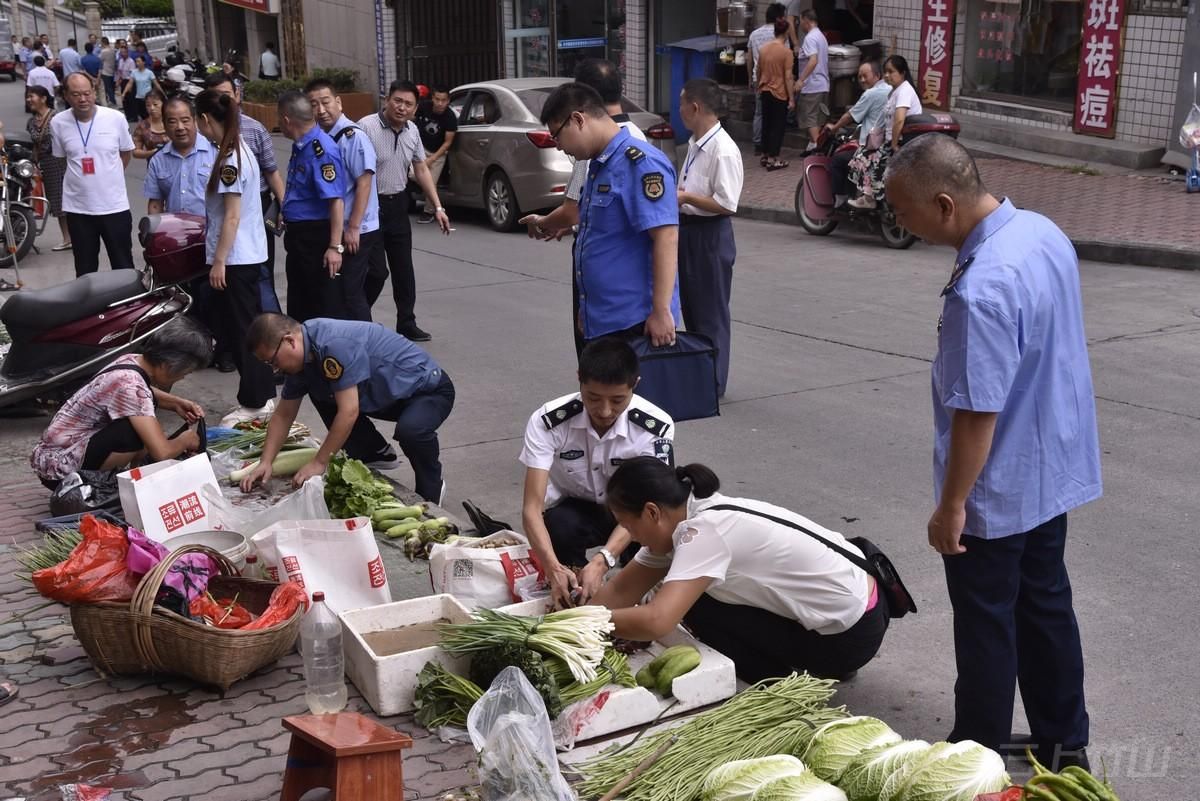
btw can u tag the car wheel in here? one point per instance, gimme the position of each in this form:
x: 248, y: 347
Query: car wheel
x: 500, y: 202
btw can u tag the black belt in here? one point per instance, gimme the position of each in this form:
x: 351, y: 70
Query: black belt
x: 698, y: 219
x: 403, y: 193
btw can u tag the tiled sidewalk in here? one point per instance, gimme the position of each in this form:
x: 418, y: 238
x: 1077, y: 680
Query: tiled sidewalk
x: 153, y: 738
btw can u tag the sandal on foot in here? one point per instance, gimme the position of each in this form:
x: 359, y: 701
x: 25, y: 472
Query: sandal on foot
x: 779, y: 165
x: 8, y: 691
x: 6, y: 286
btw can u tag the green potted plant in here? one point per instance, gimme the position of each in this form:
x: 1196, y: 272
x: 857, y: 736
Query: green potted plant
x: 259, y: 99
x: 355, y: 104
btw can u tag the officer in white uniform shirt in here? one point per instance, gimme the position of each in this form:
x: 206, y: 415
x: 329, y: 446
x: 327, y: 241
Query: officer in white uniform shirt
x: 573, y: 444
x: 709, y: 188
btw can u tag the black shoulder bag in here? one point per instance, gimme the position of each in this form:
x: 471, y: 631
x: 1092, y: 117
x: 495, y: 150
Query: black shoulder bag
x: 876, y: 563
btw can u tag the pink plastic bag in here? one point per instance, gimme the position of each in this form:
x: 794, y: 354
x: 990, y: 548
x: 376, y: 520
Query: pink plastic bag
x: 188, y: 576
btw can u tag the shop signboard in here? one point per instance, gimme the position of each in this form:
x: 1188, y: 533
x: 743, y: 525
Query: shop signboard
x: 937, y: 52
x: 261, y: 6
x: 1099, y: 68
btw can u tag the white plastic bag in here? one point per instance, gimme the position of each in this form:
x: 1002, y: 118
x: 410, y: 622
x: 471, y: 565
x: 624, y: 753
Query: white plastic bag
x: 306, y: 503
x: 166, y: 499
x: 337, y: 557
x: 510, y: 729
x: 1189, y: 132
x: 487, y: 578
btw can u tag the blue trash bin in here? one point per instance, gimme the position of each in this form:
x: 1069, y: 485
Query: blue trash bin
x: 690, y: 58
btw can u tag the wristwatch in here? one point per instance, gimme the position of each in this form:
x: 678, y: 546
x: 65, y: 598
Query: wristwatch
x: 609, y: 559
x: 338, y: 248
x: 440, y: 208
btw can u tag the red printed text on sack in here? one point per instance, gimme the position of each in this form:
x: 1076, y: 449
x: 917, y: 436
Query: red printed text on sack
x: 376, y: 572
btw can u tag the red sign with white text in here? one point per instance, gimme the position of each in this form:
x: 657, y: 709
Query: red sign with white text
x: 937, y: 52
x: 1099, y: 68
x: 261, y: 6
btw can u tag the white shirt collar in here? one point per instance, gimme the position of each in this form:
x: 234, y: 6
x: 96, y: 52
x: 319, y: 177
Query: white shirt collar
x: 708, y: 135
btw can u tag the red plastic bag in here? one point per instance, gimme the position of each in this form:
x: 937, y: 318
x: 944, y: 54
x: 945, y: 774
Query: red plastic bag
x: 286, y: 598
x: 95, y: 570
x: 224, y: 613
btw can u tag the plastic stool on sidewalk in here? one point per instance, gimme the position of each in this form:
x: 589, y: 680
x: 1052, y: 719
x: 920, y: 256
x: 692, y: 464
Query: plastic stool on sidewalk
x: 357, y: 758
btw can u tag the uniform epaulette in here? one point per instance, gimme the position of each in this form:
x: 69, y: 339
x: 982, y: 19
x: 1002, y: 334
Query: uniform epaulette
x: 651, y: 424
x: 563, y: 413
x: 318, y: 150
x: 634, y: 154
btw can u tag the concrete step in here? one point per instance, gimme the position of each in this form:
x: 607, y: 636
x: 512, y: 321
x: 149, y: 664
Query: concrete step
x: 744, y: 132
x: 1078, y: 149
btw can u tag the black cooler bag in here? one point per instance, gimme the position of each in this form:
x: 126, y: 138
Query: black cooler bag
x: 680, y: 379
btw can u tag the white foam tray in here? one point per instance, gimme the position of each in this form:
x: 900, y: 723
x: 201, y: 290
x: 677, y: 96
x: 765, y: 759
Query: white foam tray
x: 388, y: 682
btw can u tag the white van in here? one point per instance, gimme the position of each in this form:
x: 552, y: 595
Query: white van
x: 158, y: 34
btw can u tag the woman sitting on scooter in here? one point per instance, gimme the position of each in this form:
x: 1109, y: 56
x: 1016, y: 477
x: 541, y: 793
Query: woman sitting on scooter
x: 867, y: 166
x: 110, y: 423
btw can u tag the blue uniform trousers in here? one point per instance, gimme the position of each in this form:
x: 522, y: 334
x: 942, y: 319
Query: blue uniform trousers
x: 270, y: 300
x: 706, y: 255
x: 417, y: 420
x: 1014, y: 623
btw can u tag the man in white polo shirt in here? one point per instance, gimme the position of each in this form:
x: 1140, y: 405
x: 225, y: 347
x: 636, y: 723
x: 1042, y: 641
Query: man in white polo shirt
x: 96, y: 143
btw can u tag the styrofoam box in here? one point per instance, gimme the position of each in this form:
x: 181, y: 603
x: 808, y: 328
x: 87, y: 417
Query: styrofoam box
x: 388, y: 682
x: 625, y: 707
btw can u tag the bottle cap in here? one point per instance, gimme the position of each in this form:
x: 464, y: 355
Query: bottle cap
x: 318, y: 597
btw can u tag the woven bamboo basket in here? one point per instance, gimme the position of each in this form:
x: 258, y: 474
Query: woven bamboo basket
x: 133, y: 638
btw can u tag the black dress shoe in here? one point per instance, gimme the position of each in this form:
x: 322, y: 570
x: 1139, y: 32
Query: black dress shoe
x: 415, y: 334
x: 224, y: 362
x: 1051, y: 756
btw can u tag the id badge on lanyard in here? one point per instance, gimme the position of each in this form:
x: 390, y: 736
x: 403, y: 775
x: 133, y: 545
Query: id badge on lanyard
x: 87, y: 164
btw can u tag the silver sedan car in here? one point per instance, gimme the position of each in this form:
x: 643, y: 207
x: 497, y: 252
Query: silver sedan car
x: 504, y: 161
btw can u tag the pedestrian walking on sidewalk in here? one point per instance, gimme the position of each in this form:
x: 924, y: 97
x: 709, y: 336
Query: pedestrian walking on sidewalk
x: 709, y: 190
x: 438, y: 126
x: 760, y: 37
x: 813, y: 84
x: 775, y: 94
x: 108, y: 72
x: 1015, y: 448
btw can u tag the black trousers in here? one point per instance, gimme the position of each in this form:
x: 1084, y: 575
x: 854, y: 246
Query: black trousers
x: 348, y: 293
x: 237, y: 306
x: 839, y: 172
x: 118, y: 436
x: 88, y: 230
x: 270, y: 299
x: 774, y: 123
x: 392, y: 255
x: 764, y: 645
x: 1014, y: 623
x: 576, y: 526
x: 706, y: 255
x: 308, y: 294
x: 417, y: 419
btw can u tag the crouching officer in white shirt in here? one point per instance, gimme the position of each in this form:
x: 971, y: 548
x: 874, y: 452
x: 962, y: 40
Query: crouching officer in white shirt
x: 573, y: 445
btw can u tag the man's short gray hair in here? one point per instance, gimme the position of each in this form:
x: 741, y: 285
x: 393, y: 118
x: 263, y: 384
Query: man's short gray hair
x: 935, y: 164
x: 181, y: 346
x: 296, y: 106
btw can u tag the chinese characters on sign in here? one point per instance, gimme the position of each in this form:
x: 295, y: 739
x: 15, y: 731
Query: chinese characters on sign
x: 181, y: 512
x: 1099, y: 62
x: 937, y: 52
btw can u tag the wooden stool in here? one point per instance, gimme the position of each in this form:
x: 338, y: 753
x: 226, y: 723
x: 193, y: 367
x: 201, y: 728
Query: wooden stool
x: 357, y: 758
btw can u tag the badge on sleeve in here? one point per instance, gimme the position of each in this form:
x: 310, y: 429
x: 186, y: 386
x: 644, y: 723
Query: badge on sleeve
x: 332, y: 368
x: 229, y: 175
x: 652, y: 185
x: 328, y: 172
x: 664, y: 451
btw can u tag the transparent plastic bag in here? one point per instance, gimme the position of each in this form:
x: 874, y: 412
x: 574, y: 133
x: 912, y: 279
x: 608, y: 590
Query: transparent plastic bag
x: 1189, y: 132
x: 510, y: 729
x: 253, y: 515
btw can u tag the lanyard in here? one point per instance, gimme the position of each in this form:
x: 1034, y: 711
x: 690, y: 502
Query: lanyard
x: 83, y: 138
x: 699, y: 146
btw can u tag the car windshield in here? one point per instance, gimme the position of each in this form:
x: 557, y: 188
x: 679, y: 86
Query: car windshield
x: 535, y: 99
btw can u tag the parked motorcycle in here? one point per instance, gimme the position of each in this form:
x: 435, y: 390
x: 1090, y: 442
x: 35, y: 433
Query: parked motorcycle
x: 23, y: 207
x: 815, y: 205
x: 63, y: 335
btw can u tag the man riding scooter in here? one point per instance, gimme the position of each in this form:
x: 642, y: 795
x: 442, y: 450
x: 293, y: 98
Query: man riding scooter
x: 867, y: 113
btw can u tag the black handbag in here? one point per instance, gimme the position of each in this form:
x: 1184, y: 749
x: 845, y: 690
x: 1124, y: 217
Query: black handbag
x: 680, y: 379
x: 891, y: 587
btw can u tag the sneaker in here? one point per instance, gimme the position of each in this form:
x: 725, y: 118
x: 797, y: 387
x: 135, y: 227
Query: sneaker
x: 414, y: 334
x: 426, y: 218
x: 442, y: 493
x: 385, y: 459
x: 244, y: 414
x: 862, y: 202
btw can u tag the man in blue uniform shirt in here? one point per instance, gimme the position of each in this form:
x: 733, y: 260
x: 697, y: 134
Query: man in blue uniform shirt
x: 312, y: 210
x: 1016, y: 447
x: 177, y: 175
x: 361, y: 201
x: 352, y: 371
x: 626, y: 250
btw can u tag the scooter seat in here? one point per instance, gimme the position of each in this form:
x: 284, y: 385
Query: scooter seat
x: 41, y: 309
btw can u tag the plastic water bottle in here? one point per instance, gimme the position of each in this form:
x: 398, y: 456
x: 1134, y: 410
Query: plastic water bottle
x: 324, y: 664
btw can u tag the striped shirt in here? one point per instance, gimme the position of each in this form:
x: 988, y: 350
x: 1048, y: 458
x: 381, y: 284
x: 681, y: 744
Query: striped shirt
x: 261, y: 145
x: 395, y: 152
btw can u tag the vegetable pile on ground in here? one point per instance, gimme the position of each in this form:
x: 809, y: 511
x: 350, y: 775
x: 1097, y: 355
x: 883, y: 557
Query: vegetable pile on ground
x: 352, y: 490
x: 245, y: 440
x: 287, y: 463
x: 1072, y: 783
x: 442, y: 698
x: 55, y: 547
x: 672, y: 663
x: 419, y: 533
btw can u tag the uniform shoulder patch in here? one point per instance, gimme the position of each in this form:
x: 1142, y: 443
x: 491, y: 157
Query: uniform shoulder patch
x: 229, y: 175
x: 328, y: 172
x: 664, y: 451
x: 556, y: 417
x: 646, y: 421
x: 652, y: 185
x: 332, y: 368
x: 634, y: 154
x: 318, y: 148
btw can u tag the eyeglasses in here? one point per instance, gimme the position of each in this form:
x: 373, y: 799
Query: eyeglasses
x: 556, y: 134
x: 271, y: 361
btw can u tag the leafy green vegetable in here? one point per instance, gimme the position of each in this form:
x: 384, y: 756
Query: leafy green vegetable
x: 486, y: 665
x: 805, y: 787
x: 352, y: 491
x: 864, y: 778
x: 442, y: 698
x: 836, y: 744
x: 951, y: 772
x: 737, y: 780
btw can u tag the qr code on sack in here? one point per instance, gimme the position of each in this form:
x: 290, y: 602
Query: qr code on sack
x: 464, y: 568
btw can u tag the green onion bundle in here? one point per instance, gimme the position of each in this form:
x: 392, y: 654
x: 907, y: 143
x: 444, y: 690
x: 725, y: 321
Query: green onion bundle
x: 54, y: 549
x: 577, y: 636
x: 245, y: 443
x: 614, y: 669
x: 443, y: 698
x: 772, y: 717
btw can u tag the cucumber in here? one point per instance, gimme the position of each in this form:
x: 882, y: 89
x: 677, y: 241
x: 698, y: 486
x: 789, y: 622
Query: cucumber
x: 679, y: 664
x: 657, y: 663
x: 645, y: 678
x: 404, y: 529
